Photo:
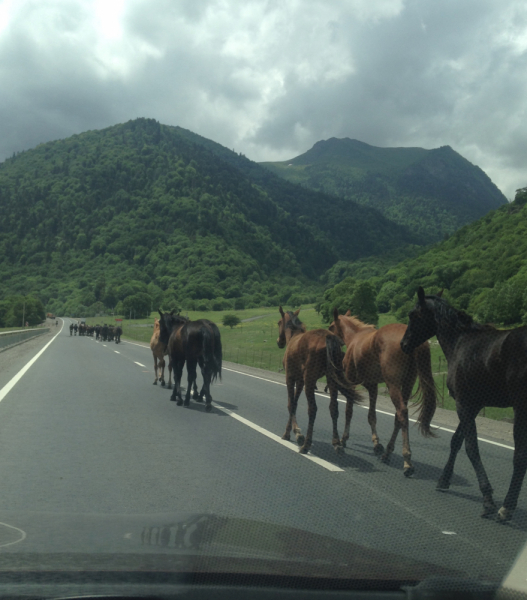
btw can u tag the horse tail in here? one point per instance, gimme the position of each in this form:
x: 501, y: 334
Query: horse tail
x: 209, y: 351
x: 218, y: 351
x: 427, y: 389
x: 335, y: 371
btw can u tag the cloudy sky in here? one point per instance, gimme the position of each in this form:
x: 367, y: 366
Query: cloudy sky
x: 269, y: 78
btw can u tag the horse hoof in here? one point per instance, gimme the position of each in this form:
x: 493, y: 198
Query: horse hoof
x: 409, y: 471
x: 300, y: 439
x: 155, y: 382
x: 339, y: 449
x: 208, y: 407
x: 286, y: 437
x: 442, y: 486
x: 378, y: 449
x: 504, y: 515
x: 385, y: 458
x: 303, y: 449
x: 489, y: 510
x: 186, y: 403
x: 162, y: 384
x: 343, y: 443
x: 179, y: 402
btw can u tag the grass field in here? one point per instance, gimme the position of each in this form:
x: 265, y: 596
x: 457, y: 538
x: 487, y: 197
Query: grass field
x: 253, y: 343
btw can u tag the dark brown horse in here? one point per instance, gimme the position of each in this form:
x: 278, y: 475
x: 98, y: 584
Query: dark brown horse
x: 193, y: 343
x: 374, y: 356
x: 486, y: 367
x: 310, y: 355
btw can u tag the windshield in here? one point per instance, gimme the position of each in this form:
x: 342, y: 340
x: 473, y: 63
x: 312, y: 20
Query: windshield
x: 263, y: 290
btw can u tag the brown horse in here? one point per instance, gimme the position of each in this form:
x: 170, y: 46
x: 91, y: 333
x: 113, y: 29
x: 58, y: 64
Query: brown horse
x: 159, y: 351
x: 309, y: 356
x: 374, y: 356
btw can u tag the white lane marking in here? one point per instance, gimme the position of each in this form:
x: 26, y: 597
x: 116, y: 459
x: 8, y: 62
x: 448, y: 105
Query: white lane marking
x: 138, y: 363
x: 449, y: 532
x: 134, y: 344
x: 11, y: 384
x: 21, y: 532
x: 116, y: 352
x: 319, y: 461
x: 383, y: 412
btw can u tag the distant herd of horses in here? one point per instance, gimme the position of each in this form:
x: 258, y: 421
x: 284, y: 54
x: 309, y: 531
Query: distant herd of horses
x: 103, y: 333
x: 486, y: 367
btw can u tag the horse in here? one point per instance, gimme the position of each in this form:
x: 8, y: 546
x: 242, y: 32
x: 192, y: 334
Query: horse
x: 71, y: 328
x: 310, y: 355
x: 118, y: 334
x: 159, y: 350
x: 374, y: 356
x: 193, y: 342
x: 486, y: 367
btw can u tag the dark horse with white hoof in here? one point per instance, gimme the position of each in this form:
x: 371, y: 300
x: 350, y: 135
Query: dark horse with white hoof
x: 486, y: 367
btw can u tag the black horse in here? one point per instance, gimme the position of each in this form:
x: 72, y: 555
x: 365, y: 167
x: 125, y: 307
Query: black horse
x: 117, y: 333
x: 486, y: 367
x: 71, y: 328
x: 193, y: 342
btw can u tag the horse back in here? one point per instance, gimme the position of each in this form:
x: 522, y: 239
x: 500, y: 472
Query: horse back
x: 490, y: 366
x: 307, y: 352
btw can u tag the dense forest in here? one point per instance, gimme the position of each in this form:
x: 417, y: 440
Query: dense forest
x: 482, y: 269
x: 141, y: 214
x: 433, y: 192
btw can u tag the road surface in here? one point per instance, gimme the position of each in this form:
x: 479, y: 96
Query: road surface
x: 84, y: 431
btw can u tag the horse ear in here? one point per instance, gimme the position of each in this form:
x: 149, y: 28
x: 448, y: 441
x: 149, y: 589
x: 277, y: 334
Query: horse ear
x: 281, y: 312
x: 296, y: 312
x: 440, y: 293
x: 172, y: 311
x: 348, y: 313
x: 160, y: 313
x: 336, y: 314
x: 421, y: 295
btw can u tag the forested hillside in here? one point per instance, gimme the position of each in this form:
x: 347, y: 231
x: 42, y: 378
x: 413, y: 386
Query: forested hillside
x: 433, y: 192
x: 482, y: 268
x: 143, y: 215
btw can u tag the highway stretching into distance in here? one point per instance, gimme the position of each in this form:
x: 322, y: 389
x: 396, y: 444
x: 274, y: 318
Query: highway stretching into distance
x: 84, y: 431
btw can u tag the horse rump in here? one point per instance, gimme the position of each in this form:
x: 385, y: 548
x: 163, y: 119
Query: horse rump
x: 335, y: 371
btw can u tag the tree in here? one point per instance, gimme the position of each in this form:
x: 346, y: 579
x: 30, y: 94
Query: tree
x: 137, y: 305
x: 358, y: 297
x: 230, y: 321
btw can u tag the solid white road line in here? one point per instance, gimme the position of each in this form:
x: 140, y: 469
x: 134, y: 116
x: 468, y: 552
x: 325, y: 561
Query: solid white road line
x: 319, y: 461
x: 11, y: 384
x: 384, y: 412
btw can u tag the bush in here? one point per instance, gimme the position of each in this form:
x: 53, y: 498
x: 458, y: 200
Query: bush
x: 358, y: 297
x: 230, y: 321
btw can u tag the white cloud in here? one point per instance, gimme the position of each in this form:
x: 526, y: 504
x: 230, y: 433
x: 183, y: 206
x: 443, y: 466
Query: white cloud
x: 270, y: 78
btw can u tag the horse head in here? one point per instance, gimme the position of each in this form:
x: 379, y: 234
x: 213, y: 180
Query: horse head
x: 422, y: 323
x: 287, y: 326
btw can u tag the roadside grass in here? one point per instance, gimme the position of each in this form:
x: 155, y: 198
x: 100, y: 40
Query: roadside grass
x: 253, y: 343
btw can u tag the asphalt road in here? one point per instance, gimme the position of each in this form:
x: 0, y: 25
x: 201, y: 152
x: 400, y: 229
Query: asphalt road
x: 84, y: 431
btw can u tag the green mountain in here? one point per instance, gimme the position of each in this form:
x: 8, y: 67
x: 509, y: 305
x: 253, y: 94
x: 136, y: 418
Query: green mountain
x: 482, y: 268
x: 433, y: 192
x: 160, y: 215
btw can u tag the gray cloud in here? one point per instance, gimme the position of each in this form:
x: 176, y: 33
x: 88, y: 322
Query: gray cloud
x: 271, y: 78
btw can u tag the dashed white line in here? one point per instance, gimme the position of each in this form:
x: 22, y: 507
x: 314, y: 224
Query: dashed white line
x: 116, y: 352
x: 138, y: 363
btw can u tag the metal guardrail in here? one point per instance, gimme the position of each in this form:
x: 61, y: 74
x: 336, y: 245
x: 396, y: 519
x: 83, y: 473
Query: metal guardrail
x: 11, y: 338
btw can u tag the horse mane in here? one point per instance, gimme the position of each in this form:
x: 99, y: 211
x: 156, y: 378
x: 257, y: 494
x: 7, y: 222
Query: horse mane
x: 358, y: 323
x: 294, y: 322
x: 458, y: 319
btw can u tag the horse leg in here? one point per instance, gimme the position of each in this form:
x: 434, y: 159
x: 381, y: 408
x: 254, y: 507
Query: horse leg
x: 472, y: 449
x: 169, y: 386
x: 312, y: 414
x: 349, y: 415
x: 162, y: 369
x: 178, y: 372
x: 372, y: 388
x: 207, y: 376
x: 155, y: 369
x: 334, y: 412
x: 519, y: 468
x: 455, y: 445
x: 400, y: 410
x: 293, y: 393
x: 191, y: 379
x: 195, y: 394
